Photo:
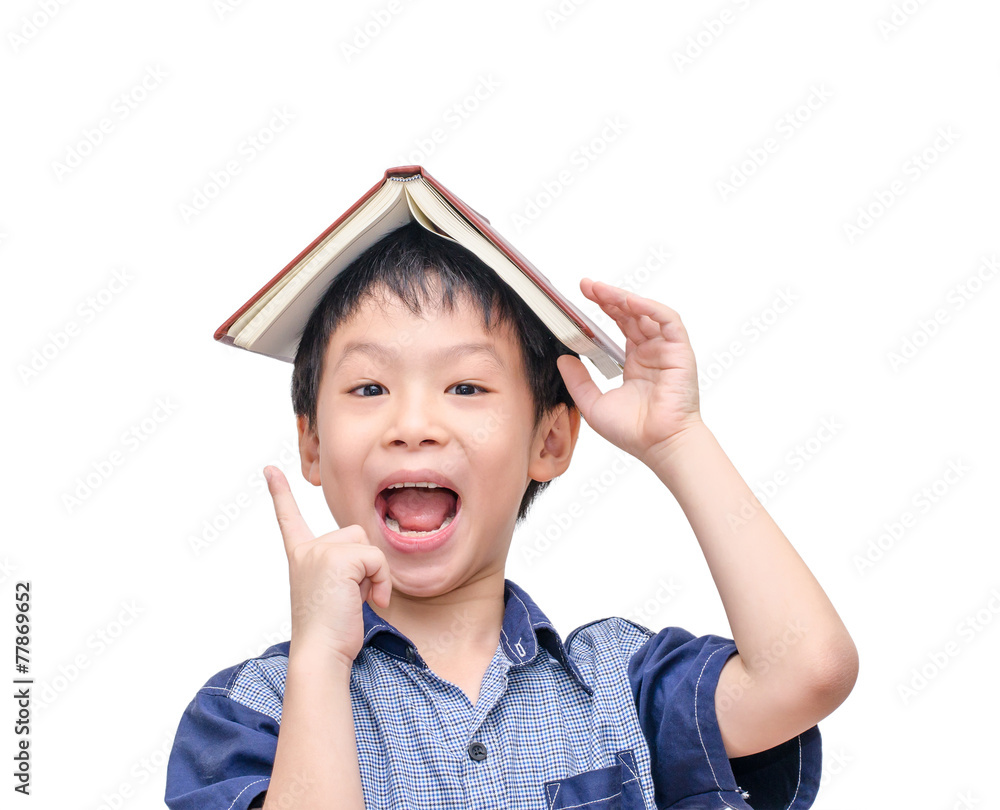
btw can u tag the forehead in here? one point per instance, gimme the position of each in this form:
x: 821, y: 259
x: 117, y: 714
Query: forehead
x: 384, y: 329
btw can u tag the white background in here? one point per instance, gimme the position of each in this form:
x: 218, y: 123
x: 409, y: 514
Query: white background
x: 72, y: 214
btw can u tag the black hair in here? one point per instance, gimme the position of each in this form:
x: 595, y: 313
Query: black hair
x: 400, y: 263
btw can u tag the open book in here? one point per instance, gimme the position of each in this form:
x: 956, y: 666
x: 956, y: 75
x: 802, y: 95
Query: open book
x: 271, y: 322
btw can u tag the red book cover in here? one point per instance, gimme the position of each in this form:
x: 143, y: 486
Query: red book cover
x: 397, y: 174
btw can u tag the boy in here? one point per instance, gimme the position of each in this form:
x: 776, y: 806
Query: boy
x: 417, y: 676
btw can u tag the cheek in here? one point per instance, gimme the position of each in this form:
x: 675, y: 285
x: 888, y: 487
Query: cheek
x: 342, y: 459
x: 343, y: 446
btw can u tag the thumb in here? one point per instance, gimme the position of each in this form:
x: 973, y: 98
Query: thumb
x: 579, y: 383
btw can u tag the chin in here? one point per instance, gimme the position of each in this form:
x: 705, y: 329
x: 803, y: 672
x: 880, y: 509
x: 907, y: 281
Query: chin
x: 421, y: 586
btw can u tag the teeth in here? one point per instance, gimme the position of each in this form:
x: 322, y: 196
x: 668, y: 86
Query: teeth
x: 394, y: 525
x: 427, y: 484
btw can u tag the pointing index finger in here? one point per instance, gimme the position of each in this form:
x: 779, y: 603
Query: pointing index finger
x: 290, y: 521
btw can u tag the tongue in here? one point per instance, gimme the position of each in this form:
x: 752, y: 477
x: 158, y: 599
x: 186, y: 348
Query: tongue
x: 418, y: 509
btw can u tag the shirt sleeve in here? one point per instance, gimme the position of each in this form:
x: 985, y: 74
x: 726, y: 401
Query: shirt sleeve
x: 223, y: 752
x: 674, y: 676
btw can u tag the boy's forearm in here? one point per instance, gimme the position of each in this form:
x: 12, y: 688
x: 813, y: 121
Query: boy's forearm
x: 783, y: 624
x: 316, y: 762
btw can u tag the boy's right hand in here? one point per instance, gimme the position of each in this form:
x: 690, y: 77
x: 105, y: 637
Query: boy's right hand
x: 330, y: 577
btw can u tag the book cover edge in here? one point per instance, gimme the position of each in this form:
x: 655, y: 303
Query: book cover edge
x: 586, y: 326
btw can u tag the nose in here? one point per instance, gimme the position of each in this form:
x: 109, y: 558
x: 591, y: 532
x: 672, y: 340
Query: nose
x: 416, y: 421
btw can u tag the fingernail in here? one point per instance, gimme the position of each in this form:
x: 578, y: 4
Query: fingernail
x: 267, y: 474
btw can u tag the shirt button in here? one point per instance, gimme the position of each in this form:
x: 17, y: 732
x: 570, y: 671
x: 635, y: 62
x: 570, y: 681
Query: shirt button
x: 411, y: 655
x: 477, y: 752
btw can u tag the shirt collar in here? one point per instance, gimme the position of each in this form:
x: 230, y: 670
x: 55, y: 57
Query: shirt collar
x: 524, y: 628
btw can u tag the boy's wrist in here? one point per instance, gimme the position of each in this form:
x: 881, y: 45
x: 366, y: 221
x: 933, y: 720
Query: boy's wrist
x: 669, y: 458
x: 316, y: 660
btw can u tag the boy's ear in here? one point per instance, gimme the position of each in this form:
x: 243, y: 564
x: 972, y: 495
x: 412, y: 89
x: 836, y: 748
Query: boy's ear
x: 554, y: 444
x: 308, y: 450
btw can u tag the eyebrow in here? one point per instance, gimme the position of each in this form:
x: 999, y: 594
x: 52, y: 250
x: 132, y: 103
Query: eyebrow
x: 377, y: 351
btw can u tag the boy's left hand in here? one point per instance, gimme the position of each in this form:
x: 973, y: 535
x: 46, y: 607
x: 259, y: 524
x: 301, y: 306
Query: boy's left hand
x: 658, y: 400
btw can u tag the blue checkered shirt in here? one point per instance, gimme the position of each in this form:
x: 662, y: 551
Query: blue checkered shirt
x: 618, y: 718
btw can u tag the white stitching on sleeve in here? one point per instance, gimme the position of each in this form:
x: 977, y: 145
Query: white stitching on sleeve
x: 723, y: 800
x: 258, y: 781
x: 698, y: 724
x: 798, y: 781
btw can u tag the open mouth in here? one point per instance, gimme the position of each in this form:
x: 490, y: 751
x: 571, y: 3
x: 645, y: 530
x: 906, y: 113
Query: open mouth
x: 415, y: 512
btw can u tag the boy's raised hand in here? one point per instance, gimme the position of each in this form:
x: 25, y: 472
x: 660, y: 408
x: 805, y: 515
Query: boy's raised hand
x: 658, y: 399
x: 330, y: 577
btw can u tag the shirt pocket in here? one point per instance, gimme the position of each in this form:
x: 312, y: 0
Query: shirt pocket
x: 613, y: 788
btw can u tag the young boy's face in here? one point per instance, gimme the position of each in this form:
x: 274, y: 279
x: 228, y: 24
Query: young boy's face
x: 405, y: 397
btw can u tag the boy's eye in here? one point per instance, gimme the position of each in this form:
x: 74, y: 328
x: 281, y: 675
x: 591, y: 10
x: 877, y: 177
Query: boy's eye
x: 463, y: 389
x: 367, y: 387
x: 466, y: 386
